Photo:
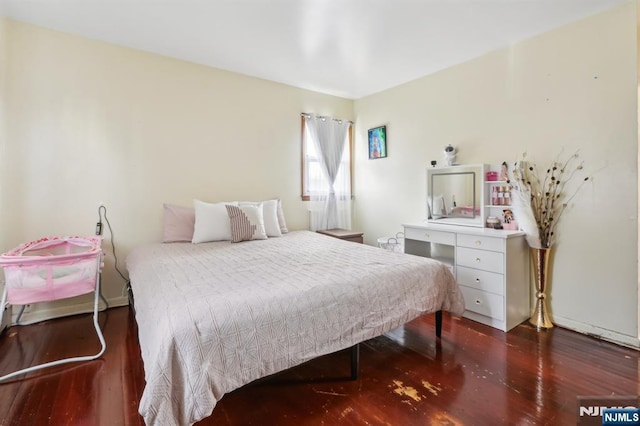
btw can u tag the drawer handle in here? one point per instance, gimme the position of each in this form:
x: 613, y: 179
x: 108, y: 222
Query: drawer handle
x: 478, y: 242
x: 478, y: 302
x: 478, y: 259
x: 477, y: 280
x: 427, y: 235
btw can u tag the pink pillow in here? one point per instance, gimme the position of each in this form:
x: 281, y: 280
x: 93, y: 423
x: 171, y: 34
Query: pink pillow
x: 178, y: 223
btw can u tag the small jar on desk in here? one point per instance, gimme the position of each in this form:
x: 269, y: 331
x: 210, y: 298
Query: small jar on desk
x: 493, y: 222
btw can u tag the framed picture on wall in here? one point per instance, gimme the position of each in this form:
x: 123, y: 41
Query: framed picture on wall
x: 377, y: 142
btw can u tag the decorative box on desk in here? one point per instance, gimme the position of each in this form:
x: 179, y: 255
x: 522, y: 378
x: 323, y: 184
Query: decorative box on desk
x: 491, y: 267
x: 344, y: 234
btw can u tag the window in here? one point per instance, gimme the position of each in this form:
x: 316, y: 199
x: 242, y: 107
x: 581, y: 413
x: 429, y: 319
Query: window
x: 312, y: 177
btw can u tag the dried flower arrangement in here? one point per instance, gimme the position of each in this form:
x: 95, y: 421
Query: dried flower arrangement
x: 538, y: 205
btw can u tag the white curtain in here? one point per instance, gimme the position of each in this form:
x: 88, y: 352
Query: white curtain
x: 330, y: 194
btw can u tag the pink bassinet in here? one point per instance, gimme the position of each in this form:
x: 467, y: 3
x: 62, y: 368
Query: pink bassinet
x: 50, y: 269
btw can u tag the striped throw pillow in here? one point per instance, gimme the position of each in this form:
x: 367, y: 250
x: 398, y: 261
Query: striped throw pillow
x: 247, y: 223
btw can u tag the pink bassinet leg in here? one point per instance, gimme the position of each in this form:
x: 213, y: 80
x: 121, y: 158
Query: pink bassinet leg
x: 96, y: 299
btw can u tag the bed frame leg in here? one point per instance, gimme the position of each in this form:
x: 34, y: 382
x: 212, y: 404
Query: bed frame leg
x: 438, y: 323
x: 355, y: 361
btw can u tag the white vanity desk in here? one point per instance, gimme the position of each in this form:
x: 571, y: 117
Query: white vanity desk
x: 491, y: 267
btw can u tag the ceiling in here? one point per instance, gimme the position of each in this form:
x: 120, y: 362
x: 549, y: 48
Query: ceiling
x: 346, y: 48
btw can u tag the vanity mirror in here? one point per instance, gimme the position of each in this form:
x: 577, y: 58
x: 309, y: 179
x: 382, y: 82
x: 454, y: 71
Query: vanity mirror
x: 455, y: 195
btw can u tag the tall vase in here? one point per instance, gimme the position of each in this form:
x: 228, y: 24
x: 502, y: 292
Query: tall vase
x: 540, y: 262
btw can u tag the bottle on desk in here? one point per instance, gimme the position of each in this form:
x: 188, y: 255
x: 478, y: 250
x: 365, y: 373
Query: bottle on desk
x: 507, y: 196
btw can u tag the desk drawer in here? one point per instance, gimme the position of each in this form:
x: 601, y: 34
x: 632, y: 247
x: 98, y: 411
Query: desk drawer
x: 440, y: 237
x: 481, y: 242
x: 480, y: 259
x: 481, y: 280
x: 483, y: 303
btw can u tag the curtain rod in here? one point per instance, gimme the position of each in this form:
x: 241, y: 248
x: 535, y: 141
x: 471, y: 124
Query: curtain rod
x: 303, y: 114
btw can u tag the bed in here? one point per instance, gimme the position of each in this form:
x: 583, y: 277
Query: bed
x: 213, y: 317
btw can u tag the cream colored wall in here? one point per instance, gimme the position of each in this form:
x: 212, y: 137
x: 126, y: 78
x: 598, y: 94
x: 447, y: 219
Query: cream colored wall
x: 88, y: 122
x: 571, y: 88
x: 638, y: 118
x: 92, y: 122
x: 3, y: 96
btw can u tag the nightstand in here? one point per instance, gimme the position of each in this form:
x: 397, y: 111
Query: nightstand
x: 343, y: 234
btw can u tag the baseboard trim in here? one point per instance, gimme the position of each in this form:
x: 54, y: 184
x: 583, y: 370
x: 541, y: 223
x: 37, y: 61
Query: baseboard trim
x: 598, y: 332
x: 66, y: 310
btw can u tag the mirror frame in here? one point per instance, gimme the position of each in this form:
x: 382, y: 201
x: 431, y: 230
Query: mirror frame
x: 478, y: 171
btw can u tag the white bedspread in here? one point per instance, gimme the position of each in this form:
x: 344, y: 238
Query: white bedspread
x: 213, y: 317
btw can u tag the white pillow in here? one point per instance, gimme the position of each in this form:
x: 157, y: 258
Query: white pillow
x: 269, y: 214
x: 246, y: 223
x: 281, y: 221
x: 212, y: 222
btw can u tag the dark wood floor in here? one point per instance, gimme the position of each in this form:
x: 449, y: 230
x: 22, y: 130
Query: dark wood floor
x: 474, y: 375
